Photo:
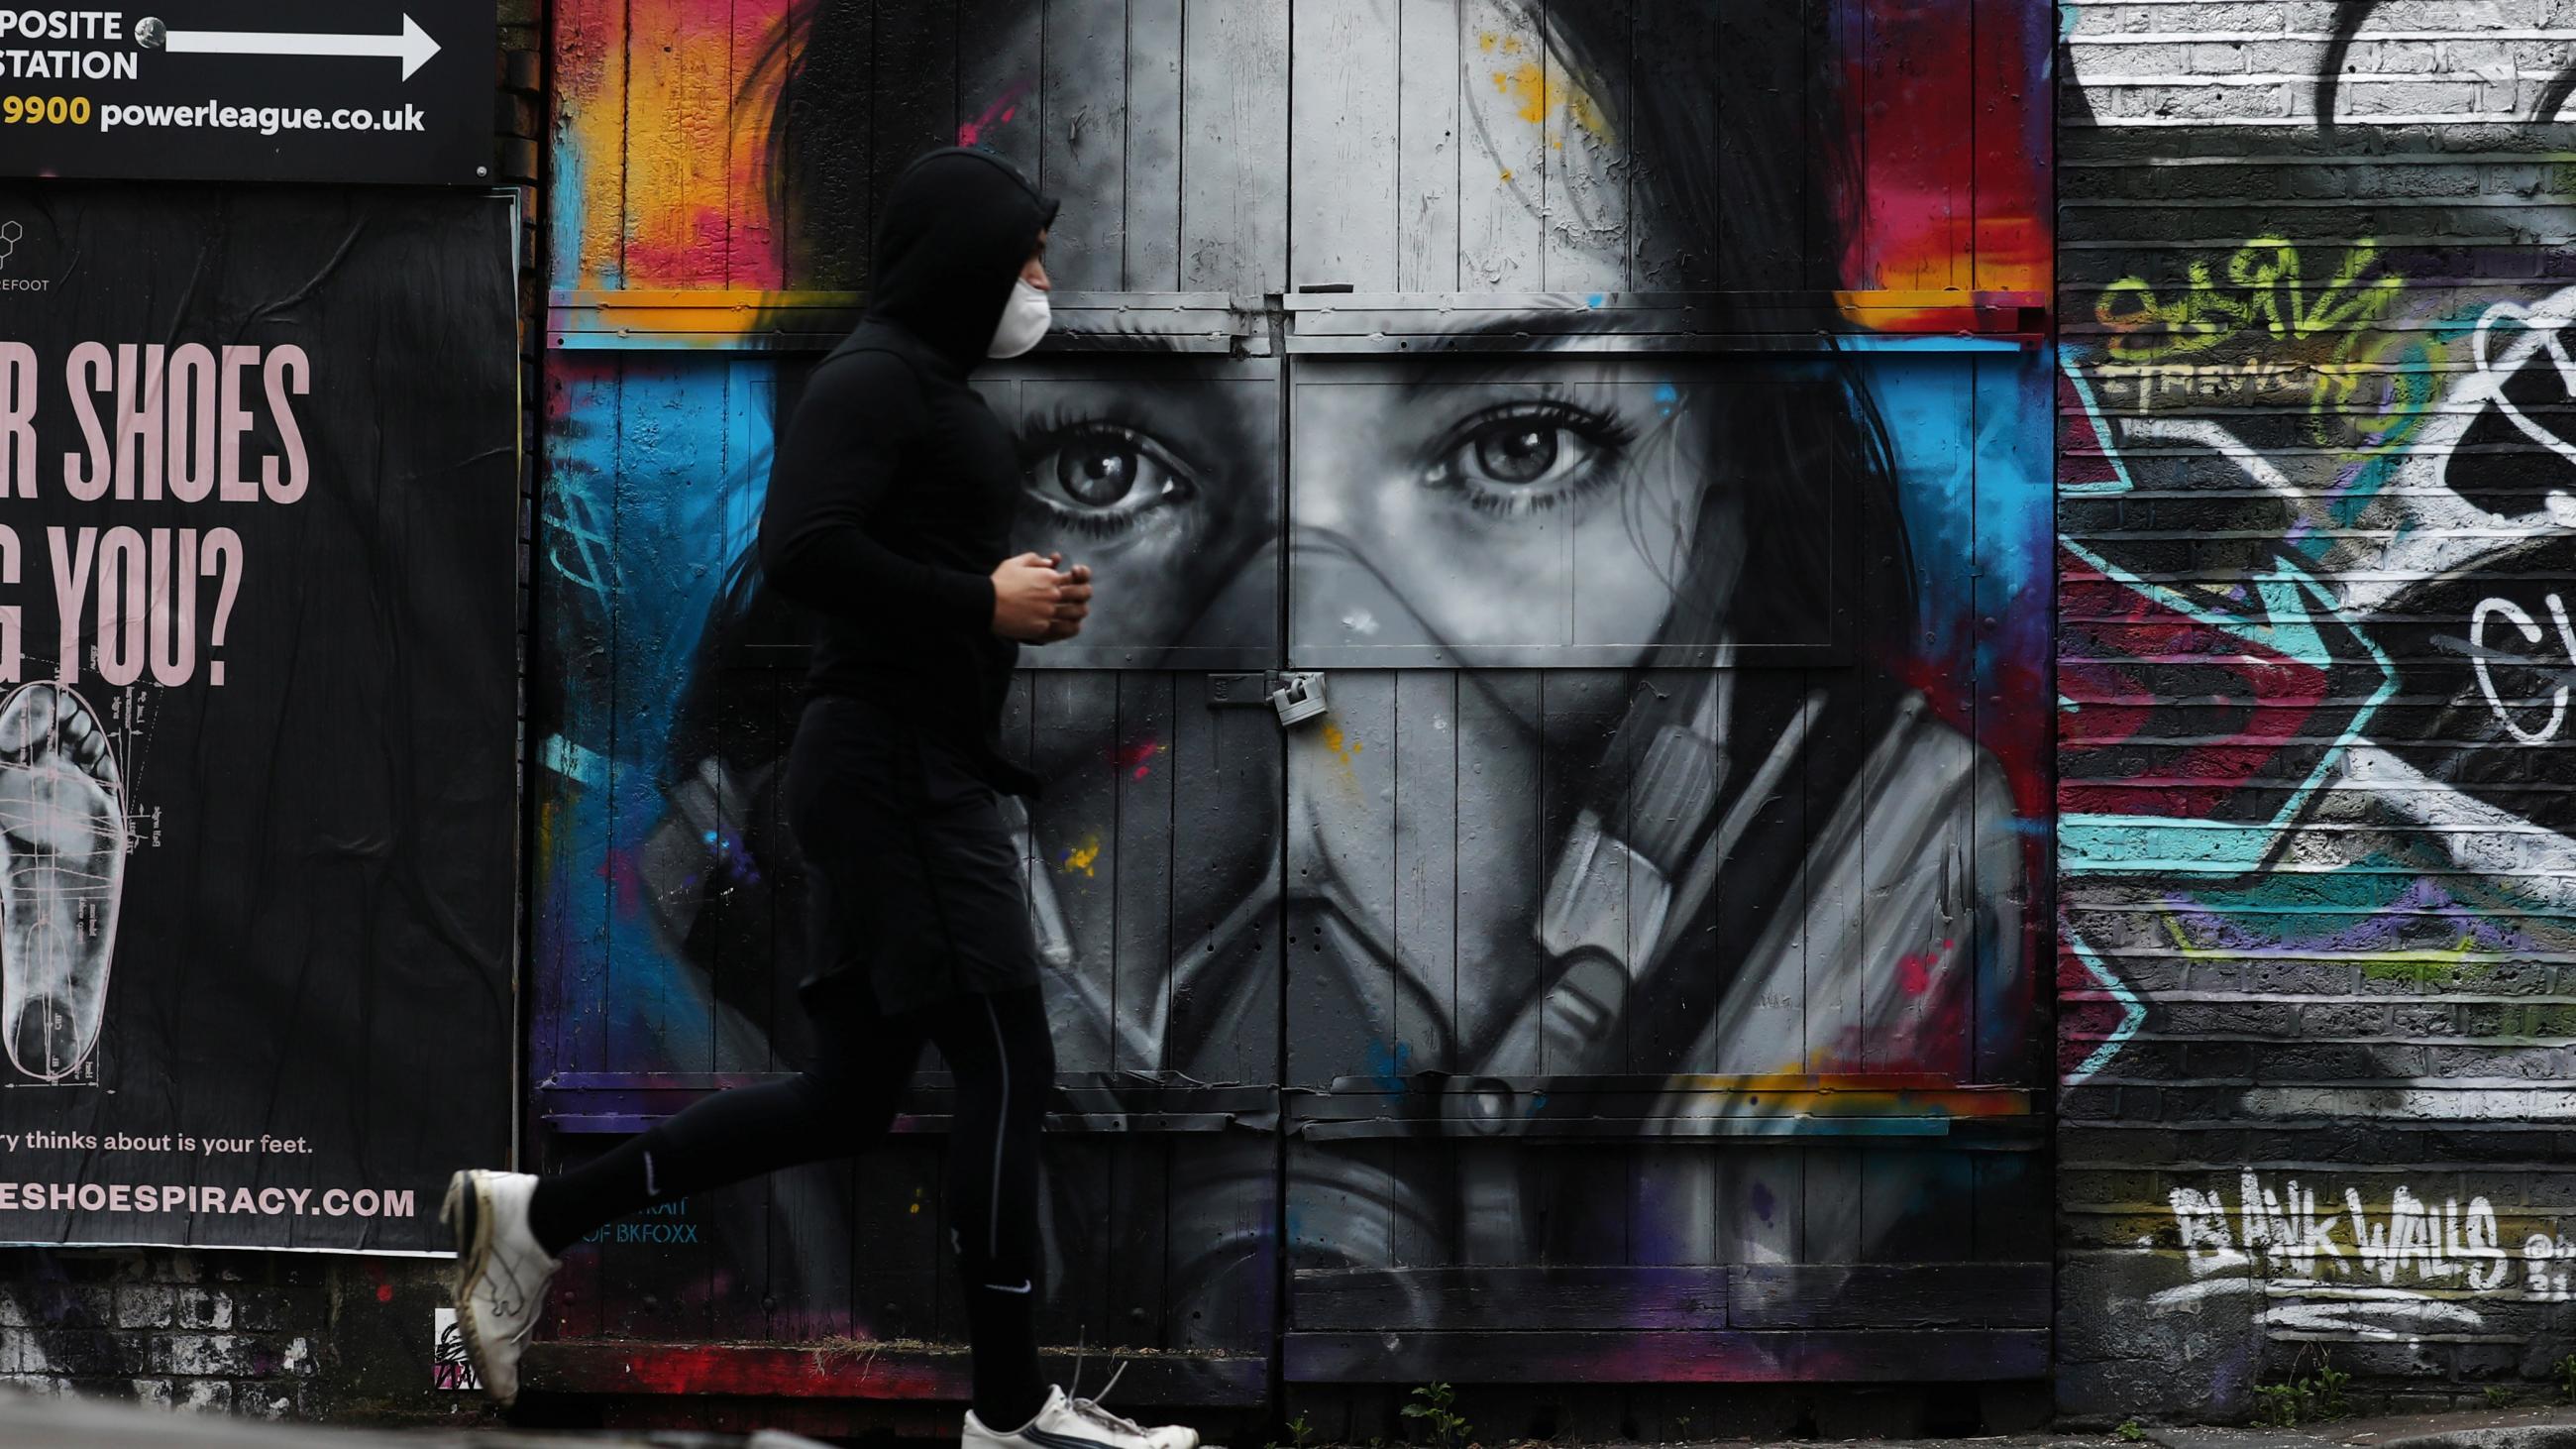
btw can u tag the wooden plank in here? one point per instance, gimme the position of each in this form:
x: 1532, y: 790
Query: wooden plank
x: 2014, y: 398
x: 911, y: 94
x: 1761, y: 88
x: 1076, y: 720
x: 1078, y: 1227
x: 1835, y: 905
x: 1222, y: 1245
x: 1137, y: 1296
x: 1939, y: 1295
x: 830, y: 152
x: 864, y: 1371
x: 1588, y: 101
x: 2009, y: 89
x: 1227, y: 981
x: 1836, y: 41
x: 1000, y: 101
x: 671, y: 430
x: 576, y: 583
x: 899, y: 1270
x: 1582, y: 900
x: 1831, y: 1231
x: 1673, y: 1206
x: 1494, y: 1206
x: 587, y: 179
x: 751, y: 845
x: 1141, y: 945
x: 740, y: 1285
x: 572, y: 1308
x: 1500, y: 860
x: 1082, y: 156
x: 1521, y: 1298
x: 1579, y: 1203
x: 1918, y: 156
x: 1426, y: 866
x: 754, y: 259
x: 812, y: 1265
x: 1502, y: 169
x: 1916, y: 850
x: 649, y: 1283
x: 1153, y: 168
x: 1579, y: 1357
x: 678, y: 143
x: 1344, y: 156
x: 1234, y: 105
x: 1753, y: 953
x: 1761, y: 1204
x: 1916, y: 1206
x: 2015, y: 1201
x: 1341, y: 869
x: 1675, y: 163
x: 1427, y: 90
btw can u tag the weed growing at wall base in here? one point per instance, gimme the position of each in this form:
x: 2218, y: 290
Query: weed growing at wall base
x: 2305, y: 1398
x: 1432, y: 1410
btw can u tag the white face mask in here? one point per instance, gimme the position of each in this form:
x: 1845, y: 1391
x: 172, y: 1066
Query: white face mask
x: 1024, y: 321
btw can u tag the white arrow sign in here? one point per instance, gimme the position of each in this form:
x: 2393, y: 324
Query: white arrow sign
x: 413, y: 47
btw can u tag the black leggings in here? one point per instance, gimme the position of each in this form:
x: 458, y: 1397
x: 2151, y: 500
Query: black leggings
x: 1004, y: 1062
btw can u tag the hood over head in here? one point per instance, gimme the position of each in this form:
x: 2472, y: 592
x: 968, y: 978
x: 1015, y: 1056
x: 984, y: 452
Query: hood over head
x: 952, y: 234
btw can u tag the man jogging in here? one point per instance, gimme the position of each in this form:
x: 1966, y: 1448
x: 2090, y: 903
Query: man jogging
x: 889, y: 506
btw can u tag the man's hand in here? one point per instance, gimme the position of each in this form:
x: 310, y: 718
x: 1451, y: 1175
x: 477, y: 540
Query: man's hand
x: 1037, y: 603
x: 1075, y: 606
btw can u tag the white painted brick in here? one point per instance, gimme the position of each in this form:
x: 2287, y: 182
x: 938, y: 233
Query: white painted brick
x: 2210, y: 58
x: 2096, y: 63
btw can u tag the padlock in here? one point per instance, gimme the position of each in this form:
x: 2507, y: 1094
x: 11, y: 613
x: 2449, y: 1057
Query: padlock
x: 1300, y: 699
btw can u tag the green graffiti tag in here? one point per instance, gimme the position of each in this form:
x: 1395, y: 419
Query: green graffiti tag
x: 2267, y: 290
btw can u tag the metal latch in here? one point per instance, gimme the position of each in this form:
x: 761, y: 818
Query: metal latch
x: 1297, y: 696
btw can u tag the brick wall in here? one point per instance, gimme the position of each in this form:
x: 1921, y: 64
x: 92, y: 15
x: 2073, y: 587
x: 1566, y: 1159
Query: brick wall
x: 275, y: 1335
x: 2316, y: 874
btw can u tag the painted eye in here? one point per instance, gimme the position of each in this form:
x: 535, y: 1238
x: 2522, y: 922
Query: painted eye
x: 1098, y: 471
x: 1513, y: 453
x: 1101, y: 479
x: 1528, y: 456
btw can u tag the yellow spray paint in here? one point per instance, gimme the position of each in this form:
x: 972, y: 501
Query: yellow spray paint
x: 1535, y: 92
x: 1084, y: 857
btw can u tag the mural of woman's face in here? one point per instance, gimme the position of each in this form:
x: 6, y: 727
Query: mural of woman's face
x: 1498, y: 516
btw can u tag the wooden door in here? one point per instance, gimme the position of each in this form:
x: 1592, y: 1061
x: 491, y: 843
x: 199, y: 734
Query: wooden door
x: 1635, y: 413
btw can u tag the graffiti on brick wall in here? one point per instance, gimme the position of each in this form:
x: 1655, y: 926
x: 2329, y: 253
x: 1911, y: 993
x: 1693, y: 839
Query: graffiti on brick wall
x: 2370, y: 1262
x: 2316, y: 421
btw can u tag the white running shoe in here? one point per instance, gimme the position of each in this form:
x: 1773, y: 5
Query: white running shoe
x: 501, y: 1273
x: 1070, y: 1423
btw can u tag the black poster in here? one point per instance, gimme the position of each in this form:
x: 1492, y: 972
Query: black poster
x: 258, y: 564
x: 250, y: 90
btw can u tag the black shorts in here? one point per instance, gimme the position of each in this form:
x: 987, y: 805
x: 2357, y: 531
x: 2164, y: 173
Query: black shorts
x: 912, y: 870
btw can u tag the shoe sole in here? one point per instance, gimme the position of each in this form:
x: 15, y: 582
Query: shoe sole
x: 463, y: 1216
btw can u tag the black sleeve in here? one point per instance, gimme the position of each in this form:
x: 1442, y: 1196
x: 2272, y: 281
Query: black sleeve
x: 841, y: 452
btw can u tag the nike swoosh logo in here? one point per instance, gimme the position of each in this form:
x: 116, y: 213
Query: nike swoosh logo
x: 1039, y: 1436
x: 1025, y: 1286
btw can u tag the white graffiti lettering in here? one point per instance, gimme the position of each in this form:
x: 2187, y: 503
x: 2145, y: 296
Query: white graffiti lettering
x: 2531, y: 634
x: 2280, y: 1232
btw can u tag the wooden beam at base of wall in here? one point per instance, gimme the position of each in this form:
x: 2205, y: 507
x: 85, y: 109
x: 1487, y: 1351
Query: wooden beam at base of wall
x: 1880, y: 1296
x: 1826, y: 1356
x: 853, y: 1370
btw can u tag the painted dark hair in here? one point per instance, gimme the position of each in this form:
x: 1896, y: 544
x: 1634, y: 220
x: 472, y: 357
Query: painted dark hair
x: 1734, y: 210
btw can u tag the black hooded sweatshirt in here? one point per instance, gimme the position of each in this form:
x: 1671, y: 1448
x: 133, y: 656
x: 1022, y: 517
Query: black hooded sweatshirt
x: 894, y: 487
